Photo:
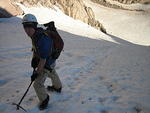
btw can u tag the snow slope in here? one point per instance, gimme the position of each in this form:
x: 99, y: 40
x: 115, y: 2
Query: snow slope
x: 100, y: 73
x: 133, y: 26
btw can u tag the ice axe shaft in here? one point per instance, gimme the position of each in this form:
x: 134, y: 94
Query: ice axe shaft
x: 18, y: 105
x: 25, y: 93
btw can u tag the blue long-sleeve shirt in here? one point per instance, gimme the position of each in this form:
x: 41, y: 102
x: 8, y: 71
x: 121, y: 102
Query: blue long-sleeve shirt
x: 44, y: 45
x: 44, y: 48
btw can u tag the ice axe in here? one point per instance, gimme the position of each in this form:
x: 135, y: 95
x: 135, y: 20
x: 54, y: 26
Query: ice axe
x: 18, y: 105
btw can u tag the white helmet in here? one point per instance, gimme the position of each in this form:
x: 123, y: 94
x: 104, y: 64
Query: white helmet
x: 29, y: 18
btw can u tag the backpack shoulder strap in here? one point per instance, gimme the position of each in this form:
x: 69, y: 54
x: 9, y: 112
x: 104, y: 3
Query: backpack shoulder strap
x: 36, y: 37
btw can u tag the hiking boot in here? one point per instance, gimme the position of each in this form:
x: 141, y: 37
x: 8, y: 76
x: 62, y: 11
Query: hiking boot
x: 44, y: 104
x: 52, y: 88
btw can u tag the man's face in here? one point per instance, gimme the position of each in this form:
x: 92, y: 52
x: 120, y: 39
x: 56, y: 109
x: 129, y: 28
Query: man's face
x: 30, y: 31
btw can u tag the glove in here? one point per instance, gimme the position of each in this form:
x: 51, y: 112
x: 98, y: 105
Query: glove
x: 34, y: 76
x: 34, y: 62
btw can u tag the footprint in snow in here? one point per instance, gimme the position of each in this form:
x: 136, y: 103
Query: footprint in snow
x: 101, y: 78
x: 111, y: 87
x: 69, y: 64
x: 77, y: 79
x: 115, y: 98
x: 17, y: 91
x: 138, y: 109
x: 4, y: 81
x: 69, y: 54
x: 82, y: 102
x: 102, y: 100
x: 90, y: 98
x: 104, y: 111
x: 12, y: 95
x: 31, y: 99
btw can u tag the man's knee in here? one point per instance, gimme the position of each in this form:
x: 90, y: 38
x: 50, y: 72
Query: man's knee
x: 37, y: 84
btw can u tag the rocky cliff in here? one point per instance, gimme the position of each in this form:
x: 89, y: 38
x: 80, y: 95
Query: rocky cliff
x: 72, y: 8
x: 132, y: 1
x: 123, y: 1
x: 8, y: 9
x: 111, y: 4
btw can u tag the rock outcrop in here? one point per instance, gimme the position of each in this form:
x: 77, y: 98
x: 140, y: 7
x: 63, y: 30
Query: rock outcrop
x: 122, y: 1
x: 8, y: 9
x: 77, y: 10
x: 4, y: 13
x: 122, y: 4
x: 132, y: 1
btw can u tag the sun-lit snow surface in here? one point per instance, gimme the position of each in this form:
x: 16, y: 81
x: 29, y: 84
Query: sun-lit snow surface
x: 100, y: 73
x: 133, y: 26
